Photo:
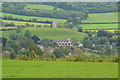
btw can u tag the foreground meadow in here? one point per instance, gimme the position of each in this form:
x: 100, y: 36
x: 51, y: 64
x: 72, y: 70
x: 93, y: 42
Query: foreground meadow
x: 44, y: 69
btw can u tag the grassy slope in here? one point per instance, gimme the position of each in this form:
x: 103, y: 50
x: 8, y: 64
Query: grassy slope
x: 50, y: 33
x: 39, y: 18
x: 40, y: 6
x: 23, y: 23
x: 102, y: 17
x: 43, y: 69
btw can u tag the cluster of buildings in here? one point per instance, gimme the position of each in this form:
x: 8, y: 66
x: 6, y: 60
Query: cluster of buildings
x: 68, y: 43
x: 63, y: 42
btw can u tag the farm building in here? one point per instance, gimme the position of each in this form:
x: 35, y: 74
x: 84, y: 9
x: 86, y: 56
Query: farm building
x: 49, y: 49
x: 54, y: 24
x: 63, y: 42
x: 41, y: 47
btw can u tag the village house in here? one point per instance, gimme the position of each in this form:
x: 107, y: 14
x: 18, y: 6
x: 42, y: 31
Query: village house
x: 54, y: 24
x: 6, y: 52
x: 41, y: 47
x: 63, y: 42
x: 80, y: 46
x: 49, y: 49
x: 105, y: 45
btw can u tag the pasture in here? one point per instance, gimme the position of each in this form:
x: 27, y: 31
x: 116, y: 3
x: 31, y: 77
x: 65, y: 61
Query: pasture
x: 50, y: 33
x: 102, y: 17
x: 40, y: 6
x: 44, y: 69
x: 30, y: 17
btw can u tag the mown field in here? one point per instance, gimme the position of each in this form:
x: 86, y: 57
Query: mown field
x: 40, y: 6
x: 102, y: 17
x: 44, y: 69
x: 100, y: 26
x: 50, y: 33
x: 23, y: 23
x: 39, y: 18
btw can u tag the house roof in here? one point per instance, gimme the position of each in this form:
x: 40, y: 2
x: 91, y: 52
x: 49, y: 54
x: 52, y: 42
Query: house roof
x: 62, y: 40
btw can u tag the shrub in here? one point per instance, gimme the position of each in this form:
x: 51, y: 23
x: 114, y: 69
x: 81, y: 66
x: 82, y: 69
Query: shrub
x: 12, y: 56
x: 23, y: 57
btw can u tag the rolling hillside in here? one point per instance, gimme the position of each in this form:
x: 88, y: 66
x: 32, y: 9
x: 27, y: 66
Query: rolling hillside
x: 93, y: 18
x: 50, y: 33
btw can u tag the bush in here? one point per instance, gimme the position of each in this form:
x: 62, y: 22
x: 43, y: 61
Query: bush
x: 23, y: 57
x: 13, y: 56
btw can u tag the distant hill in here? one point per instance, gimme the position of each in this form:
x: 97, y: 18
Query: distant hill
x: 27, y: 10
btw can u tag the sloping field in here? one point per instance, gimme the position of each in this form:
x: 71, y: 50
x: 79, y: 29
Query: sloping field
x: 40, y: 6
x: 56, y: 34
x: 102, y: 17
x: 50, y: 33
x: 39, y: 18
x: 44, y: 69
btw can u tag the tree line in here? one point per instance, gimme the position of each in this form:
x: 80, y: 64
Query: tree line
x: 12, y: 24
x: 19, y: 8
x: 21, y: 19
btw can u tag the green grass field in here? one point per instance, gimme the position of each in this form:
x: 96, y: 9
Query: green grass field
x: 39, y: 18
x: 99, y: 26
x: 50, y: 33
x: 44, y: 69
x: 102, y: 17
x: 40, y: 6
x: 23, y: 23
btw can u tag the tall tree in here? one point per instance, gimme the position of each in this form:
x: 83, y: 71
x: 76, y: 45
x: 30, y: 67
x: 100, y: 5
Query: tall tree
x: 27, y: 34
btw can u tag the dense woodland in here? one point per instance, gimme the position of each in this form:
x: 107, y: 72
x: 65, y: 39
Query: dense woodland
x: 91, y: 7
